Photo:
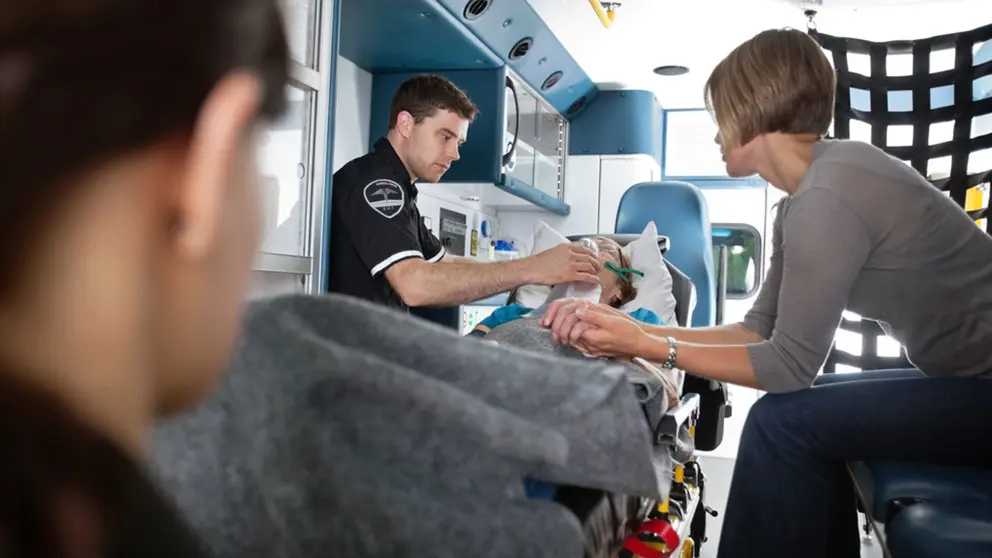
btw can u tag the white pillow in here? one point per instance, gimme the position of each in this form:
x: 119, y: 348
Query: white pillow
x: 545, y: 238
x: 654, y: 290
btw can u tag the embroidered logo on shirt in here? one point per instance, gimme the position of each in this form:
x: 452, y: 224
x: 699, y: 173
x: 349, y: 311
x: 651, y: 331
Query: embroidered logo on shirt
x: 385, y: 196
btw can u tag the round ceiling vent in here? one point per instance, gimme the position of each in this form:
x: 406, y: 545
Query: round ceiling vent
x: 671, y: 70
x: 552, y: 80
x: 521, y: 49
x: 577, y: 105
x: 476, y: 8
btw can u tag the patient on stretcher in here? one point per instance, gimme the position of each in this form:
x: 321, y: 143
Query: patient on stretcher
x: 517, y: 325
x: 616, y: 280
x: 657, y: 389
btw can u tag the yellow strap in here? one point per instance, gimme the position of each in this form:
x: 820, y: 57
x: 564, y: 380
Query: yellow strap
x: 974, y: 200
x: 679, y: 473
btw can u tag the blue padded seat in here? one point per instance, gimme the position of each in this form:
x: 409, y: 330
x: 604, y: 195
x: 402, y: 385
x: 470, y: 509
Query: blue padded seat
x: 882, y: 483
x: 894, y: 481
x: 680, y: 212
x: 932, y: 530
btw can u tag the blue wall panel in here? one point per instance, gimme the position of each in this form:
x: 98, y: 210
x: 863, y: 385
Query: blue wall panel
x: 506, y: 22
x: 398, y: 35
x: 619, y: 122
x: 383, y: 36
x: 480, y: 161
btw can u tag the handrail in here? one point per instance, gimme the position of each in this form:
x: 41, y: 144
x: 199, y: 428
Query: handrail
x: 606, y: 18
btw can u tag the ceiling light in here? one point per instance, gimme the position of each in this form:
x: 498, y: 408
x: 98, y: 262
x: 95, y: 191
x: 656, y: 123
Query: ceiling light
x: 671, y: 70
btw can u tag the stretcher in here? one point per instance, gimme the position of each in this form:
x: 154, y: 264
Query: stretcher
x: 628, y: 527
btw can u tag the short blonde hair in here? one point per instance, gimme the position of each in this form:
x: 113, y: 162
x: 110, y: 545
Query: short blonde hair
x: 777, y: 81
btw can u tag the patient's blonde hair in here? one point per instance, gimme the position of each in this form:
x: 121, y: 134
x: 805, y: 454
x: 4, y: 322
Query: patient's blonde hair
x: 777, y: 81
x: 615, y: 252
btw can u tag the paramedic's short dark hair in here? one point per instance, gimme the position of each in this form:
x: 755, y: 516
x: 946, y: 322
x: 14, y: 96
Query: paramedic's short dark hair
x: 423, y: 95
x: 778, y: 81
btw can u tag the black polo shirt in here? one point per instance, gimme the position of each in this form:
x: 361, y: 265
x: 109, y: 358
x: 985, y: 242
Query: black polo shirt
x: 375, y: 223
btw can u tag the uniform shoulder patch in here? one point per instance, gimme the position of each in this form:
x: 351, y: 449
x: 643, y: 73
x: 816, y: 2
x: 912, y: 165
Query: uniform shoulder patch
x: 385, y: 196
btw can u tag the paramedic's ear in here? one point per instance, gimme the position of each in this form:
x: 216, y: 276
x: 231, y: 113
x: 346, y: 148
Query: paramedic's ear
x: 211, y: 165
x: 404, y: 123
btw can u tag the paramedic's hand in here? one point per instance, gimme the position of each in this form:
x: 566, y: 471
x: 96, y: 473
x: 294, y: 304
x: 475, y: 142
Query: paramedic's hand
x: 565, y: 263
x: 562, y: 318
x: 606, y: 335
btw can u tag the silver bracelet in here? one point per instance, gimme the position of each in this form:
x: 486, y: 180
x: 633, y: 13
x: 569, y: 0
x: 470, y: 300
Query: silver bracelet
x: 672, y: 353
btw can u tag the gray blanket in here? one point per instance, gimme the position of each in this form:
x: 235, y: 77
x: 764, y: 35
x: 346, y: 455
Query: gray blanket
x: 526, y: 333
x: 654, y: 394
x: 347, y: 430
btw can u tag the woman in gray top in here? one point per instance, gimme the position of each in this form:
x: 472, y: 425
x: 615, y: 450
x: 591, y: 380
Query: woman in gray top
x: 858, y: 230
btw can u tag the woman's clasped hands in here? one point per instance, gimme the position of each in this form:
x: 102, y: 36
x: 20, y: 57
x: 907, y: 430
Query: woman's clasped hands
x: 595, y: 329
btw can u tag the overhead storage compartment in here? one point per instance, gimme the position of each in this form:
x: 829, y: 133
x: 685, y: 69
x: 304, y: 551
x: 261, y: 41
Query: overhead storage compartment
x: 504, y: 57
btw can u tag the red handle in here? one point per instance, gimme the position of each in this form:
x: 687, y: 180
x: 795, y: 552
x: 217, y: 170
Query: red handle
x: 644, y: 551
x: 657, y: 527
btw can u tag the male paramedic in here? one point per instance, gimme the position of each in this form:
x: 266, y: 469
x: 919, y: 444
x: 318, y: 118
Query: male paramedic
x: 380, y: 248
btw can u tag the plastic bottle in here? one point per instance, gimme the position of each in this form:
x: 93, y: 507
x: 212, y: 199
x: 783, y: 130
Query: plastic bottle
x: 486, y: 245
x: 505, y: 251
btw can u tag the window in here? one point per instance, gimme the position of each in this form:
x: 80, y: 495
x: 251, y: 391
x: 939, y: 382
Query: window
x: 292, y: 157
x: 284, y: 161
x: 301, y: 17
x: 852, y: 343
x: 690, y: 145
x: 742, y: 244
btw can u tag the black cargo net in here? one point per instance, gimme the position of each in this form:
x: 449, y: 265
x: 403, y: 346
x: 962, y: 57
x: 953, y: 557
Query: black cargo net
x: 934, y: 113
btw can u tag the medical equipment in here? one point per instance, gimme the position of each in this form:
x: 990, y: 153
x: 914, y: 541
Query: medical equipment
x: 486, y: 245
x: 473, y: 314
x: 590, y: 292
x: 452, y: 231
x: 505, y: 250
x: 624, y: 273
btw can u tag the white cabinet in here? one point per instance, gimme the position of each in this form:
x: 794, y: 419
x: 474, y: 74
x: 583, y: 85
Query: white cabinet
x: 616, y: 176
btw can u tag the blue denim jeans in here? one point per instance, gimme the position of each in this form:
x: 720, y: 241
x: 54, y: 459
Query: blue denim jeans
x: 791, y: 495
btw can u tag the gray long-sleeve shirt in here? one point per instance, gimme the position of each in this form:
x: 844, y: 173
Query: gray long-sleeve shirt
x: 864, y: 231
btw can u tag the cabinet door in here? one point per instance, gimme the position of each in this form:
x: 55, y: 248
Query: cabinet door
x: 539, y: 157
x: 617, y: 175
